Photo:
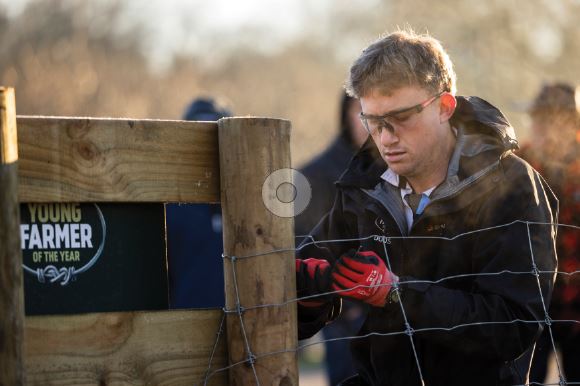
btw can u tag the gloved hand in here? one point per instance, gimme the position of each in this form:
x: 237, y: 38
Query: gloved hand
x: 366, y: 275
x: 312, y: 278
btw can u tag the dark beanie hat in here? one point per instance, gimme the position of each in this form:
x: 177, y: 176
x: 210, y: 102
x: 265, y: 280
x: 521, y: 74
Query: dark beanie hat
x: 205, y: 109
x: 556, y: 97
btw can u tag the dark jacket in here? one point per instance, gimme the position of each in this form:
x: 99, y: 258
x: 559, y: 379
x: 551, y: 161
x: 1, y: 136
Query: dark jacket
x: 321, y: 173
x: 458, y: 276
x: 194, y: 248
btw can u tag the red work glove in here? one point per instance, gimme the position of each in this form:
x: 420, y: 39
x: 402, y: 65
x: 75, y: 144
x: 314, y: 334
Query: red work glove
x: 365, y: 275
x: 312, y: 278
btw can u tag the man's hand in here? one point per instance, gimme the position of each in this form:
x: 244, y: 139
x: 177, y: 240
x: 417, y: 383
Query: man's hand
x: 365, y: 276
x: 312, y: 278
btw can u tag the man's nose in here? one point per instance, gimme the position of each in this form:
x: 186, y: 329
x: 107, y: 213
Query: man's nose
x: 389, y: 136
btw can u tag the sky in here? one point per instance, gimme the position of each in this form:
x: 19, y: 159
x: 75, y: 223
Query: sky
x: 214, y: 26
x: 170, y: 23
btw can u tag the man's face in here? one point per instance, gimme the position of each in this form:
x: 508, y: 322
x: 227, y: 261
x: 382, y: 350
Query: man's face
x: 419, y: 144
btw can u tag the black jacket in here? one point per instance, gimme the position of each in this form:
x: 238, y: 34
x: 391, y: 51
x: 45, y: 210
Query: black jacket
x: 472, y: 264
x: 321, y: 173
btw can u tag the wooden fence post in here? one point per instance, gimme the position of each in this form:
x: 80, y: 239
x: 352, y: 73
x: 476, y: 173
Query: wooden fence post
x: 250, y: 150
x: 11, y: 288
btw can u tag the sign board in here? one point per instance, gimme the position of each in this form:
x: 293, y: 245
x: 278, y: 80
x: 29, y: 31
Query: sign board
x: 81, y: 258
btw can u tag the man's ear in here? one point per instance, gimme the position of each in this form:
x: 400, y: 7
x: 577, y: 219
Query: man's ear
x: 447, y: 107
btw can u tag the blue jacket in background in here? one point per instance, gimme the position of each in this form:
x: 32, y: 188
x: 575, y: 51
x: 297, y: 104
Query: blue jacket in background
x: 194, y: 238
x: 194, y: 248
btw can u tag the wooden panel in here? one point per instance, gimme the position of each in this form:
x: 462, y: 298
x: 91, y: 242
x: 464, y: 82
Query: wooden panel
x: 116, y: 160
x: 133, y: 348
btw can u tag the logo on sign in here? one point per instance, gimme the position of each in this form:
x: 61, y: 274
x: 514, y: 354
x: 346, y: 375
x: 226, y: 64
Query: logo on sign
x: 61, y: 241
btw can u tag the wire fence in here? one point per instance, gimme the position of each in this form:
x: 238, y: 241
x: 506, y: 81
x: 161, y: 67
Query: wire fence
x: 252, y: 357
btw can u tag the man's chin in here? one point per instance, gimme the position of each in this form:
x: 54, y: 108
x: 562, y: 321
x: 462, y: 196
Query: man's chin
x: 397, y: 168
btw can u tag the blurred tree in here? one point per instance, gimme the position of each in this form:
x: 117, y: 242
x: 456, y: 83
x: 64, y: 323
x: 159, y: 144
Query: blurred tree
x: 70, y: 58
x: 61, y: 66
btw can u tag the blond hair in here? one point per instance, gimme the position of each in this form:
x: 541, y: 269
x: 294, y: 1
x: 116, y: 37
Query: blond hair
x: 402, y: 58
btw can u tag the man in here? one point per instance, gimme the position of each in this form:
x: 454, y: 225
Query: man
x: 554, y: 151
x: 322, y: 172
x: 434, y: 233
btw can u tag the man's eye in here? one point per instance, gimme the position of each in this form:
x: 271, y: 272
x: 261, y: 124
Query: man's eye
x: 382, y: 124
x: 375, y: 122
x: 402, y: 117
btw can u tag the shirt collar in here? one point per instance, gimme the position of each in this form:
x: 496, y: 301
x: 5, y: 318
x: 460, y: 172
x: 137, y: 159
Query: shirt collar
x: 393, y: 178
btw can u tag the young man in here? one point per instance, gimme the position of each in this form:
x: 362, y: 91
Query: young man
x: 441, y: 230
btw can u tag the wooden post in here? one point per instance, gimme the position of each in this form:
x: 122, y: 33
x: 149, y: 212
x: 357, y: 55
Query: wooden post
x: 250, y: 150
x: 11, y: 292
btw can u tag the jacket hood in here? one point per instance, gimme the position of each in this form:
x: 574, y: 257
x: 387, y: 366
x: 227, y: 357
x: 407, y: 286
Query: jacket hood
x: 484, y: 135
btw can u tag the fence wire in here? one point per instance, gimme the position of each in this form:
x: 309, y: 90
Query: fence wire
x: 251, y: 357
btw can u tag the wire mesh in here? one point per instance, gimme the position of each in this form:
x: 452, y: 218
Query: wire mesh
x: 251, y: 357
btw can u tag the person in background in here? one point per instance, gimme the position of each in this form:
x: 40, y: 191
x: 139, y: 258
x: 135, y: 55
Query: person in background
x: 194, y: 238
x: 322, y: 172
x: 325, y: 169
x: 554, y: 150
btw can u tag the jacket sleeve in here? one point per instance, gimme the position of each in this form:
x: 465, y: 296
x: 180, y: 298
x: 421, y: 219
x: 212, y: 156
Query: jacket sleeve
x: 337, y: 224
x: 497, y: 317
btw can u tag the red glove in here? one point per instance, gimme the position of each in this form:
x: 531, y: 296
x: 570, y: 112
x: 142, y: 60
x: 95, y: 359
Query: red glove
x: 365, y: 275
x: 312, y: 278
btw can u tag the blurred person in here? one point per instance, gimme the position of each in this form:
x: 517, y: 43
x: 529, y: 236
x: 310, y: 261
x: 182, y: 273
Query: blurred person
x: 322, y: 172
x: 554, y: 150
x: 431, y: 219
x: 325, y: 169
x: 194, y: 238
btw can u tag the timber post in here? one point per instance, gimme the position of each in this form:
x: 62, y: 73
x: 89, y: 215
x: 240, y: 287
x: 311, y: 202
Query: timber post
x: 251, y: 149
x: 11, y: 286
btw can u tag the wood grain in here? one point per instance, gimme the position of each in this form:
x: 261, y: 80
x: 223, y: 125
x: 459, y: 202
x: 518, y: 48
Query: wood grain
x: 11, y: 292
x: 250, y: 150
x: 117, y: 160
x: 124, y: 348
